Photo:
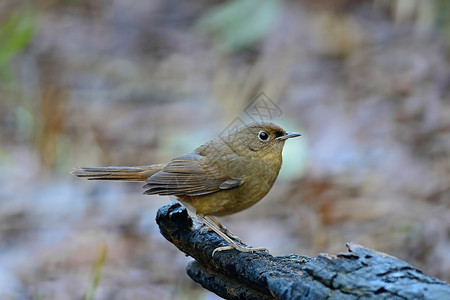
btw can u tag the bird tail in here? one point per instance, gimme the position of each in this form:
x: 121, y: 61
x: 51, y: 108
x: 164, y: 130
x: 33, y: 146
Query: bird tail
x: 140, y: 173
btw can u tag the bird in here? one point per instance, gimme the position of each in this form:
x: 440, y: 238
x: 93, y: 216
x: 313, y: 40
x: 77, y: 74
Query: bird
x: 221, y: 177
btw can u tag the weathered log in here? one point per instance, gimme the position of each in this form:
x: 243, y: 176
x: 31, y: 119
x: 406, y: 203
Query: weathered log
x: 360, y: 273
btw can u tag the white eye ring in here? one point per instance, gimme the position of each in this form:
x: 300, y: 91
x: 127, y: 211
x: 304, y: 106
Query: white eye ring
x: 263, y: 136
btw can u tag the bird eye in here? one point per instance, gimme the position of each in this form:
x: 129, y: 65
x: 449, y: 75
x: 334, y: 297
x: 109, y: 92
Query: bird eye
x: 263, y: 136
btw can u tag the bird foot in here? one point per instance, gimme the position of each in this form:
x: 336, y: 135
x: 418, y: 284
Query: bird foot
x: 222, y: 231
x: 239, y: 248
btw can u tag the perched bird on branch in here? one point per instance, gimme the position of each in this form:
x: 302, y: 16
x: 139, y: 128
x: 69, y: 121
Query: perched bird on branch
x: 221, y: 177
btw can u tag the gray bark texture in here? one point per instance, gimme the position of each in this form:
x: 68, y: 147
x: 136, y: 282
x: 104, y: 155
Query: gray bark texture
x: 360, y: 273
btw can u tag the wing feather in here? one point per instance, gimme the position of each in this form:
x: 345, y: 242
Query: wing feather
x: 191, y: 174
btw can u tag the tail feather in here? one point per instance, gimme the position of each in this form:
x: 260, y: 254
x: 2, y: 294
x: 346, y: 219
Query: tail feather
x: 140, y: 173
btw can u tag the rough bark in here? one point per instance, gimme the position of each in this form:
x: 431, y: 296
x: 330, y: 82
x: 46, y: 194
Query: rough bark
x: 360, y: 273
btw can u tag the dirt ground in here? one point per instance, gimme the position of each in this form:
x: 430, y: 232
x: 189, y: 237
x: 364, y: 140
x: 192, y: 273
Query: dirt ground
x: 99, y: 83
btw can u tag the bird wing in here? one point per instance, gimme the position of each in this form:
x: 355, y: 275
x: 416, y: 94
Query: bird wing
x: 192, y: 174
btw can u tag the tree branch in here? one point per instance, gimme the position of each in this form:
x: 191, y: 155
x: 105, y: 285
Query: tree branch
x: 358, y: 273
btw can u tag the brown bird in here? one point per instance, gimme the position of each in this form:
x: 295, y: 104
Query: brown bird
x: 222, y: 177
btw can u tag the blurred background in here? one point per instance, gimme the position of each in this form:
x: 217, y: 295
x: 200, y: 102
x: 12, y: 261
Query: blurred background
x: 134, y: 82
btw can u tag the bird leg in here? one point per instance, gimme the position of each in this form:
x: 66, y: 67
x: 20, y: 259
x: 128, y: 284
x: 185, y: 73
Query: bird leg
x: 221, y: 228
x: 215, y: 226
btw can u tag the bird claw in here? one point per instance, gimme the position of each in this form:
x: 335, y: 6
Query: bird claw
x: 221, y: 249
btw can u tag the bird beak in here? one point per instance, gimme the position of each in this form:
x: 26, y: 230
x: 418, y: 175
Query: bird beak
x: 288, y: 135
